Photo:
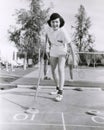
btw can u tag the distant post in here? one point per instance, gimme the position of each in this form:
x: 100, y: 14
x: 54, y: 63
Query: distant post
x: 25, y: 61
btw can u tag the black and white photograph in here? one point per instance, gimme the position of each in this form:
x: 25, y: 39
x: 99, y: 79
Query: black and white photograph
x: 51, y: 65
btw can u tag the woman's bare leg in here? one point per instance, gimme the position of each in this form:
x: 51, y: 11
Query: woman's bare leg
x: 61, y: 71
x: 54, y: 62
x: 45, y: 68
x: 71, y: 71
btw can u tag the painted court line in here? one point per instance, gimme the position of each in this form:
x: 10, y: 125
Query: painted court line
x: 69, y: 125
x: 85, y: 126
x: 71, y: 88
x: 26, y: 123
x: 63, y: 121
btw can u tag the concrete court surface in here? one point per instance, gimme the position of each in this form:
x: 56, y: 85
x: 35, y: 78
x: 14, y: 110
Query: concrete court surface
x: 83, y: 77
x: 69, y: 114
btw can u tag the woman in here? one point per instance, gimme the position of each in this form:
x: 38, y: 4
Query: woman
x: 56, y: 47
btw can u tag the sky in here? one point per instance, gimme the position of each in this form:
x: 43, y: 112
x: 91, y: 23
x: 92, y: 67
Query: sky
x: 67, y: 8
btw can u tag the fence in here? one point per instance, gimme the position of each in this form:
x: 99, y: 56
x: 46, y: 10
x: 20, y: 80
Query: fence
x: 91, y: 58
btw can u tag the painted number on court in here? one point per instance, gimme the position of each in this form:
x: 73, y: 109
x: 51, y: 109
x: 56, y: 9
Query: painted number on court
x: 98, y: 119
x: 23, y: 117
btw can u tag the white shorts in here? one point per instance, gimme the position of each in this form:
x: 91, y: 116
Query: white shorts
x: 57, y: 51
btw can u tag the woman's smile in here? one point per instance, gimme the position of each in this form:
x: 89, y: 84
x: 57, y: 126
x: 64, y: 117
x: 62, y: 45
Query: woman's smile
x: 55, y: 24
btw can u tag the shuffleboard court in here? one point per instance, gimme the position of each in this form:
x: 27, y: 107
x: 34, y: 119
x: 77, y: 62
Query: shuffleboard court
x: 69, y: 114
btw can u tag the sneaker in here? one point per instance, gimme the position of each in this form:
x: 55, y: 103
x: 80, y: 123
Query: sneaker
x: 54, y: 92
x: 71, y: 80
x: 59, y: 97
x: 47, y: 78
